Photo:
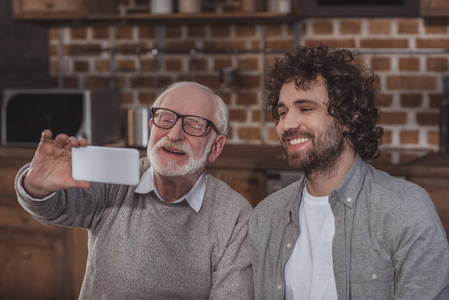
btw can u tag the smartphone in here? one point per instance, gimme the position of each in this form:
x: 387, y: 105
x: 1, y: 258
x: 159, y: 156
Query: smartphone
x: 106, y: 164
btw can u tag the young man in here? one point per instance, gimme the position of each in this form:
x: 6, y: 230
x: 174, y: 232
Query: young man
x: 345, y: 230
x: 178, y: 234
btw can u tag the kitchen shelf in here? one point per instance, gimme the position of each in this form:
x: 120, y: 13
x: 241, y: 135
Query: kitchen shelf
x: 175, y: 18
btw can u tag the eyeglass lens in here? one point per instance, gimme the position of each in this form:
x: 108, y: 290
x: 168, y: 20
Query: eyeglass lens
x: 191, y: 124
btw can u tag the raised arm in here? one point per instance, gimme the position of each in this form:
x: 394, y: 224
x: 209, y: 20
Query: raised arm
x: 51, y: 167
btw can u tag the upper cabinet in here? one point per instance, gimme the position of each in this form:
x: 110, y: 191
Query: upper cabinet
x: 434, y: 8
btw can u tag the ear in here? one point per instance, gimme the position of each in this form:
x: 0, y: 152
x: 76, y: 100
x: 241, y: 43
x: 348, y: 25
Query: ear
x: 151, y: 124
x: 216, y: 148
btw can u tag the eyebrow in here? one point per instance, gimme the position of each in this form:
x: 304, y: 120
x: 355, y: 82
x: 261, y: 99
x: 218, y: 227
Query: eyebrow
x: 299, y: 101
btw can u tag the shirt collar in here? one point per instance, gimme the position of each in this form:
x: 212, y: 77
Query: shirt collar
x: 194, y: 197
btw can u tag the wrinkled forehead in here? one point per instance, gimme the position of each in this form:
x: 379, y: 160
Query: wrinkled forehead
x: 191, y: 101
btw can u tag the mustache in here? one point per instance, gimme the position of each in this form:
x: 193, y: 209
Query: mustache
x: 294, y: 133
x: 180, y: 146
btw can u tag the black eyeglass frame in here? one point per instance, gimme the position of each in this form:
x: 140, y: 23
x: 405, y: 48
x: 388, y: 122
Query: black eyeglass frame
x: 178, y: 116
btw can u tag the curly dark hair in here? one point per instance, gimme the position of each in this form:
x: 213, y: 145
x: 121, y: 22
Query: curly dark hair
x: 349, y: 87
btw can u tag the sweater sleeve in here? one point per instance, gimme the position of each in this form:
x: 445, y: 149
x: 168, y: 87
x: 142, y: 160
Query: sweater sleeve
x: 70, y: 208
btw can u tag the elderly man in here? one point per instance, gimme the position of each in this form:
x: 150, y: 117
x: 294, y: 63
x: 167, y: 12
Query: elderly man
x: 178, y: 234
x: 345, y: 230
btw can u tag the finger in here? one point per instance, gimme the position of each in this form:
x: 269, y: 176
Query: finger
x: 61, y: 140
x: 83, y: 142
x: 82, y: 184
x: 46, y: 136
x: 73, y: 142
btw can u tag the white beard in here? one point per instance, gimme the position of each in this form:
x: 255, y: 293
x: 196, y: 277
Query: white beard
x: 173, y: 169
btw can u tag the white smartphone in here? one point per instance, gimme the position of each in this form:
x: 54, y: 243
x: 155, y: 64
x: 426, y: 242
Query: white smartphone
x: 106, y: 164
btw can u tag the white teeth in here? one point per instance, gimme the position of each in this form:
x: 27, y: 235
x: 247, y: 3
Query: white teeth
x: 173, y: 151
x: 298, y: 141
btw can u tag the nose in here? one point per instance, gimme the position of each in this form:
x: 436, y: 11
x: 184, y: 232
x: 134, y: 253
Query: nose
x: 176, y: 133
x: 290, y: 121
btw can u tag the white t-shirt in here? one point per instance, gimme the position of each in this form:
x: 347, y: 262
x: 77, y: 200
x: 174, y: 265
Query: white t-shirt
x: 309, y: 271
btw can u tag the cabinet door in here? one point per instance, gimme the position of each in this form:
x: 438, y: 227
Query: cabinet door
x: 32, y: 267
x: 250, y: 185
x: 434, y: 8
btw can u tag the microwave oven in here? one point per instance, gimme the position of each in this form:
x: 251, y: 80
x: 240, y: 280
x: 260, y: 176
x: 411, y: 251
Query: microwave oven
x: 91, y: 114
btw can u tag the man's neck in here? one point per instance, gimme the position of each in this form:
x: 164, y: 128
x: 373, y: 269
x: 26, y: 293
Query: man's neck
x: 320, y: 184
x: 172, y: 188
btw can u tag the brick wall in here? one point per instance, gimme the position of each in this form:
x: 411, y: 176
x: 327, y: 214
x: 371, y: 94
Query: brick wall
x: 407, y: 55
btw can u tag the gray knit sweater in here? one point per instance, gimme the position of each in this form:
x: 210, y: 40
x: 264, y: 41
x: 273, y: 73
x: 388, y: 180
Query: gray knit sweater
x: 142, y: 248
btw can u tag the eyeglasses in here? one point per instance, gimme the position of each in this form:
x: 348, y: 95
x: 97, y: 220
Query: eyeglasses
x: 192, y: 125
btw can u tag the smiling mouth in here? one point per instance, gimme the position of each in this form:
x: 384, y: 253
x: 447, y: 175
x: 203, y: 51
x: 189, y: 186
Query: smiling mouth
x: 298, y: 141
x: 172, y: 151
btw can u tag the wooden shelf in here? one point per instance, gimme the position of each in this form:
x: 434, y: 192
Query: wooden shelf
x: 175, y: 18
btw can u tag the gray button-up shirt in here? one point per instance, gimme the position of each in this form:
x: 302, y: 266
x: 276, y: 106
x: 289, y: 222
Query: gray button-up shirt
x: 389, y: 242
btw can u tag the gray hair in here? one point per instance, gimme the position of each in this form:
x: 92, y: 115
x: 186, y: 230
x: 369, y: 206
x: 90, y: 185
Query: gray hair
x: 222, y: 114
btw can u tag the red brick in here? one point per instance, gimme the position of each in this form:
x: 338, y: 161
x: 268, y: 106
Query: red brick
x: 433, y: 137
x: 409, y: 137
x: 409, y: 64
x: 339, y: 43
x: 411, y: 82
x: 196, y: 31
x: 245, y: 30
x: 173, y: 32
x: 247, y: 98
x: 379, y: 26
x: 384, y: 43
x: 78, y: 33
x: 82, y: 50
x: 53, y: 50
x: 323, y: 27
x: 393, y: 118
x: 248, y: 64
x: 123, y: 32
x: 237, y: 115
x: 435, y: 100
x: 147, y: 98
x: 97, y: 82
x: 249, y: 133
x: 274, y: 30
x: 147, y: 65
x: 103, y: 65
x: 173, y: 64
x: 387, y: 137
x: 220, y: 31
x: 427, y: 118
x: 100, y: 33
x: 53, y: 33
x: 272, y: 134
x: 437, y: 64
x: 432, y: 43
x: 384, y: 100
x: 350, y: 27
x: 381, y: 63
x: 148, y: 32
x: 411, y: 100
x: 408, y: 26
x: 126, y: 65
x: 81, y: 66
x: 383, y: 158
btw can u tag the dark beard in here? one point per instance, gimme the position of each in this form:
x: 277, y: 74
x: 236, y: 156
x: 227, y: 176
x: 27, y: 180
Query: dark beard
x: 324, y: 155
